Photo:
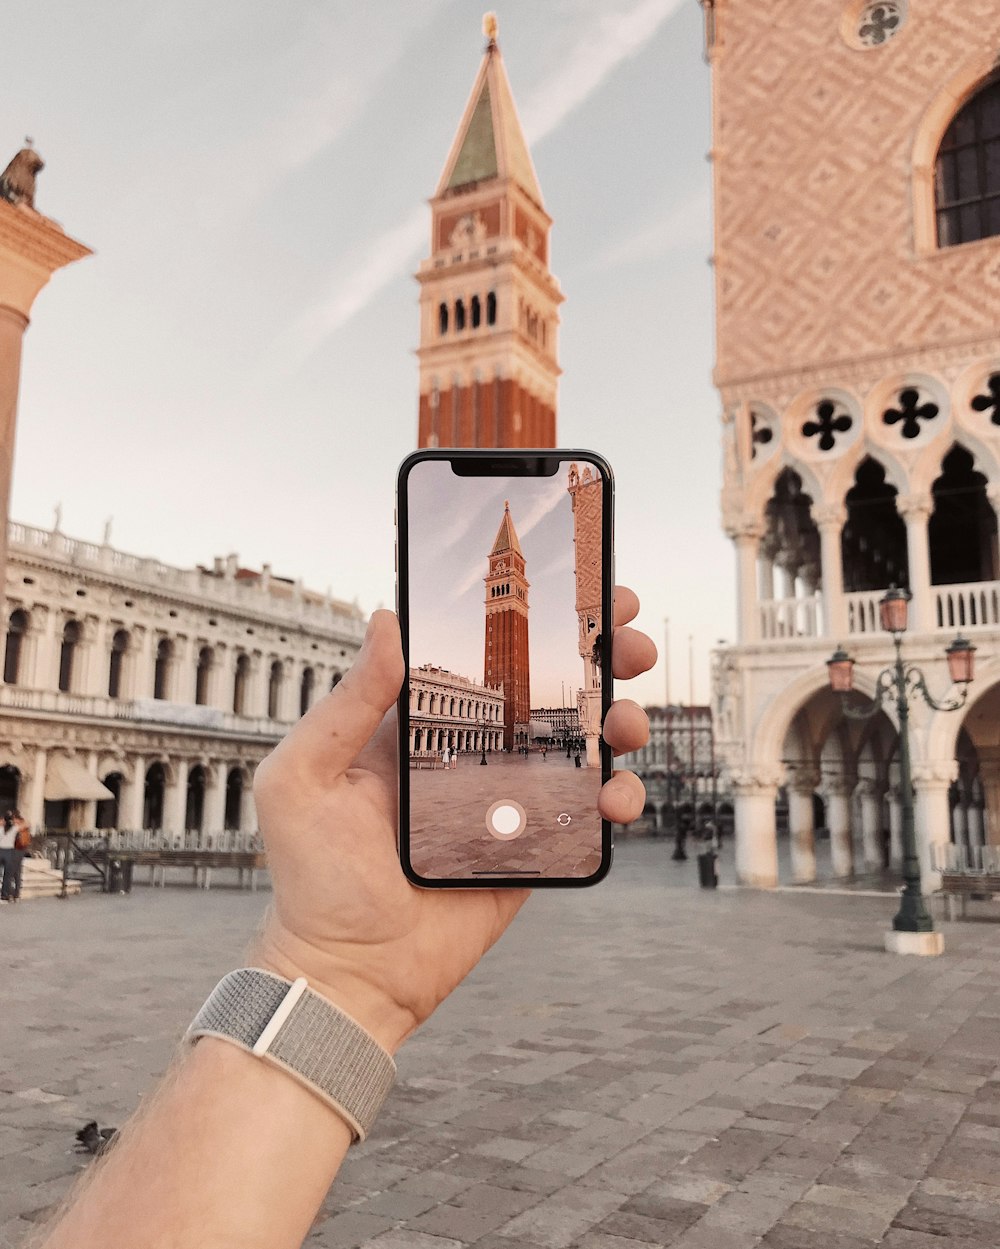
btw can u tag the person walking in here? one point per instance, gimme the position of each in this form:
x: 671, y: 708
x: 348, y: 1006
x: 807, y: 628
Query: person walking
x: 8, y: 833
x: 545, y: 751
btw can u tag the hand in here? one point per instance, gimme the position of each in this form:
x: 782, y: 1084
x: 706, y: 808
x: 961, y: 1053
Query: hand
x: 344, y: 916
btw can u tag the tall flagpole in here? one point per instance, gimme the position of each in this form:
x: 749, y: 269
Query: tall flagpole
x: 666, y: 657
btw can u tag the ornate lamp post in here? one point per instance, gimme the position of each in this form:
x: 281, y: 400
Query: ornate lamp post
x: 482, y: 741
x: 912, y: 928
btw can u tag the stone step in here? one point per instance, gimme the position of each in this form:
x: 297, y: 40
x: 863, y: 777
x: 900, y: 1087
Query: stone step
x: 39, y: 879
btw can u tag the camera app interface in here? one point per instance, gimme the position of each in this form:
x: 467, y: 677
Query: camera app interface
x: 505, y: 672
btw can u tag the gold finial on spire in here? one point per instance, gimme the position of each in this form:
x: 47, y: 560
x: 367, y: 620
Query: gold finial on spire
x: 506, y: 505
x: 490, y: 28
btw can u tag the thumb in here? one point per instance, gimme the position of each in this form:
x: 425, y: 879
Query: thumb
x: 333, y: 733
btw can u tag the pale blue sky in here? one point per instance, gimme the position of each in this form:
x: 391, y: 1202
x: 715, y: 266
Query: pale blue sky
x: 233, y: 369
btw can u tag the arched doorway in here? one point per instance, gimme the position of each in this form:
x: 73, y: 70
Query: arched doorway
x: 10, y: 788
x: 153, y: 795
x: 17, y: 627
x: 194, y: 807
x: 978, y: 755
x: 108, y: 808
x: 234, y: 799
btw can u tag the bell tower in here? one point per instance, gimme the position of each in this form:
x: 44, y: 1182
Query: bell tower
x: 489, y: 307
x: 506, y: 661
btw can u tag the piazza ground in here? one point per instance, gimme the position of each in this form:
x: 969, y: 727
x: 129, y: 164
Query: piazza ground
x: 546, y: 786
x: 643, y: 1063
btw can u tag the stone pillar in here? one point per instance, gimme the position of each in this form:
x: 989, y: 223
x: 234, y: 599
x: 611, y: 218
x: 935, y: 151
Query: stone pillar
x: 746, y: 538
x: 49, y: 650
x: 932, y: 816
x: 175, y: 800
x: 766, y: 570
x: 895, y: 828
x: 756, y: 831
x: 88, y: 816
x: 33, y: 802
x: 248, y: 808
x: 870, y: 806
x: 801, y: 826
x: 916, y: 510
x: 133, y: 798
x: 215, y: 799
x: 32, y: 248
x: 829, y: 520
x: 144, y: 663
x: 974, y: 814
x: 838, y: 820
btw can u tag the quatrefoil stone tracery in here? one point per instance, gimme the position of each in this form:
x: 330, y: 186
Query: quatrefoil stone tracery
x: 990, y: 401
x: 909, y: 412
x: 878, y: 23
x: 828, y: 424
x: 760, y: 433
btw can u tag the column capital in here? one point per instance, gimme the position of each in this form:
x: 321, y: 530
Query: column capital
x: 930, y: 776
x: 803, y: 780
x: 744, y: 528
x: 839, y: 786
x: 759, y: 781
x: 914, y: 506
x: 867, y: 787
x: 829, y: 515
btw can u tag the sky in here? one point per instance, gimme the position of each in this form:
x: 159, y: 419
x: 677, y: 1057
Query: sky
x: 453, y: 523
x: 233, y: 369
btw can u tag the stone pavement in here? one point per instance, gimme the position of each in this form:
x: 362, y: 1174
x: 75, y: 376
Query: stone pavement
x: 638, y: 1064
x: 547, y: 787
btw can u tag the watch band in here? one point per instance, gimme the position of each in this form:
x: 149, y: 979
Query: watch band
x: 288, y: 1024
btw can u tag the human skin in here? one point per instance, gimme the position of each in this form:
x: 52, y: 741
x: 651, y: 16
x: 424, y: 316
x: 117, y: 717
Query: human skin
x: 231, y: 1151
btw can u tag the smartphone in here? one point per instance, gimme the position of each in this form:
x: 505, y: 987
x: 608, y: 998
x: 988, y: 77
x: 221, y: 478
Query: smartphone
x: 504, y: 593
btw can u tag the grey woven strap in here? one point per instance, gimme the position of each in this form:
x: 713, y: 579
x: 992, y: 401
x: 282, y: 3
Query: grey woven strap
x: 288, y: 1024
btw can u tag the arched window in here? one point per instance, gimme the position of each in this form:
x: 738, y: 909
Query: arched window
x: 459, y: 315
x: 107, y: 808
x: 873, y: 540
x: 161, y: 669
x: 234, y: 799
x: 306, y: 690
x: 240, y: 684
x: 17, y: 627
x: 194, y: 808
x: 476, y: 311
x: 119, y: 646
x: 336, y: 679
x: 274, y: 690
x: 206, y: 658
x: 491, y: 308
x: 442, y: 318
x: 962, y: 531
x: 71, y: 640
x: 152, y: 805
x: 967, y: 176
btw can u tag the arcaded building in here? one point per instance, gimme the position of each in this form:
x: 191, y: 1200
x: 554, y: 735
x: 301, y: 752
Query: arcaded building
x: 856, y: 157
x: 138, y: 695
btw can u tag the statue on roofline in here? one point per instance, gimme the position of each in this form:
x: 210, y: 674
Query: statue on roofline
x: 17, y: 182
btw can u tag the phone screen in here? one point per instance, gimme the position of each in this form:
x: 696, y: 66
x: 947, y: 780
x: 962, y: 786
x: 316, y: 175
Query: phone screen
x: 504, y: 581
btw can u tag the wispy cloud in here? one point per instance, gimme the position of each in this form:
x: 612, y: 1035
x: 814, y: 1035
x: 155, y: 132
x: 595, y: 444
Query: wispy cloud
x: 608, y: 41
x: 680, y: 225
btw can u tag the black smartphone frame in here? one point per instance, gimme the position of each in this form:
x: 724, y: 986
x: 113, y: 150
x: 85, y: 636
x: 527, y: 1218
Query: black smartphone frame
x: 489, y: 462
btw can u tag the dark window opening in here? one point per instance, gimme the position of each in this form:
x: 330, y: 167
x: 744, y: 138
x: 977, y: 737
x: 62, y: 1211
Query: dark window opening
x: 16, y: 629
x: 459, y: 315
x: 108, y: 808
x: 203, y: 675
x: 152, y: 800
x: 234, y: 799
x: 475, y: 309
x: 491, y: 308
x: 161, y: 669
x: 442, y: 318
x: 194, y: 807
x: 274, y: 690
x: 967, y: 175
x: 873, y: 541
x: 240, y: 684
x: 962, y: 530
x: 67, y: 654
x: 306, y: 690
x: 119, y: 645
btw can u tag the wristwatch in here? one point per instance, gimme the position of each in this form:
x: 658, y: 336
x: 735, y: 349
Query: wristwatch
x: 291, y: 1026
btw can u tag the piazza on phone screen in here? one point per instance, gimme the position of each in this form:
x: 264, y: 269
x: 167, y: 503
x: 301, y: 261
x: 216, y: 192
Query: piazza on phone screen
x: 505, y: 577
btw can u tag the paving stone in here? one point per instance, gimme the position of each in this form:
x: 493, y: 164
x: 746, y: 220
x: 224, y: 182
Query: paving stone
x: 558, y: 1221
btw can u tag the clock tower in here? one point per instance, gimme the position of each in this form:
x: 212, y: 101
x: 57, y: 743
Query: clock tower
x: 489, y: 307
x: 506, y: 661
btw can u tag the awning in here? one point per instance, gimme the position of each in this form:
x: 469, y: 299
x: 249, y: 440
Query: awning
x: 66, y: 778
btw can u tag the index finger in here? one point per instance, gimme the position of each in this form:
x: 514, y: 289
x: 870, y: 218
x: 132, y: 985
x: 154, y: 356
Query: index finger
x: 626, y: 605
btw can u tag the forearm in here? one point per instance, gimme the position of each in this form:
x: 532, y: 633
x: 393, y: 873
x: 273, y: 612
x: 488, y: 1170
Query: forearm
x: 230, y: 1152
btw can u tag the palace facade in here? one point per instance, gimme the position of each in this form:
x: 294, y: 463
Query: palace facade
x: 856, y: 159
x: 138, y: 695
x: 452, y: 712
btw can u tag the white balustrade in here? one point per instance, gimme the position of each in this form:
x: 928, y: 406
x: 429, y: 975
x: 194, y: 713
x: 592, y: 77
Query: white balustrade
x: 790, y: 617
x: 863, y: 612
x: 975, y: 605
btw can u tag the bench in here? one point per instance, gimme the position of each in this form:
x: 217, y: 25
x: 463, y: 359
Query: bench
x: 966, y: 885
x: 200, y: 861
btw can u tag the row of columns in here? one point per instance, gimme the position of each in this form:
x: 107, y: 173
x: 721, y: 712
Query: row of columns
x: 472, y: 708
x: 436, y: 739
x: 131, y: 810
x: 753, y: 575
x: 756, y: 825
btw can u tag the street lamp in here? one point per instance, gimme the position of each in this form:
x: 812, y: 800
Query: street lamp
x: 913, y: 927
x: 482, y: 741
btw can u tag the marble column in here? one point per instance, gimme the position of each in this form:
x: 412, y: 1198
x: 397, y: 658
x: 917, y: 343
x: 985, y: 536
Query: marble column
x: 870, y: 807
x: 175, y: 800
x: 215, y: 799
x: 89, y: 812
x: 746, y: 538
x: 838, y: 821
x: 248, y: 808
x: 916, y: 510
x: 829, y: 520
x: 932, y: 818
x: 33, y: 802
x: 756, y: 831
x: 130, y: 816
x: 895, y: 828
x: 801, y: 826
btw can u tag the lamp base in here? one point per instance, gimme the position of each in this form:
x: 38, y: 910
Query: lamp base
x: 928, y: 944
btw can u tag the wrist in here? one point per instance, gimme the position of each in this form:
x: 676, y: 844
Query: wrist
x: 371, y: 1007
